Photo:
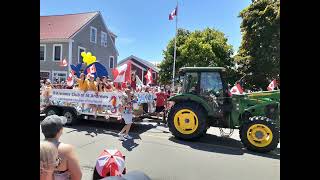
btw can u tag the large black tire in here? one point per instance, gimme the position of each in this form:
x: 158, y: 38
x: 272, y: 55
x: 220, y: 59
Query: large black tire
x: 71, y: 116
x: 51, y: 110
x: 200, y: 116
x: 266, y: 122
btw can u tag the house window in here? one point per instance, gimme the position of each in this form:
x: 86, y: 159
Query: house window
x: 111, y: 62
x: 42, y: 52
x: 59, y: 76
x: 103, y: 39
x: 44, y: 75
x: 153, y: 75
x: 57, y: 52
x: 93, y: 35
x: 80, y: 50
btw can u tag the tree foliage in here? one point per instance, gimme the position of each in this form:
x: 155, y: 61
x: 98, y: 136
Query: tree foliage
x: 259, y: 52
x: 207, y: 48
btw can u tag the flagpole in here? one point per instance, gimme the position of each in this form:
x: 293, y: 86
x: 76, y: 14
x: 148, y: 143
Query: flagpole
x: 175, y: 49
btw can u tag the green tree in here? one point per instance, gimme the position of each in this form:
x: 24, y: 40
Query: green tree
x: 199, y: 48
x: 259, y: 52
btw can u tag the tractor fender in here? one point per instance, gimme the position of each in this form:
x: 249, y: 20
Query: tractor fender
x: 194, y: 98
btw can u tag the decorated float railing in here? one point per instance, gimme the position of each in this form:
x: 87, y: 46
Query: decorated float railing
x: 105, y: 103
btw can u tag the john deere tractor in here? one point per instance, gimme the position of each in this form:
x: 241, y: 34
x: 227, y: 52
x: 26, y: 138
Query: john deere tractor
x: 205, y: 102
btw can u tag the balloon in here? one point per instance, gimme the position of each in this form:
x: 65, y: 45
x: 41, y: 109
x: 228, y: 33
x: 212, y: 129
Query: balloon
x: 83, y: 54
x: 89, y: 54
x: 94, y: 58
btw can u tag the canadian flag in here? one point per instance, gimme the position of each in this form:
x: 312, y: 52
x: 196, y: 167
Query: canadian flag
x: 173, y: 13
x: 272, y: 85
x: 237, y: 89
x: 148, y: 76
x: 64, y: 63
x: 91, y: 69
x: 70, y: 78
x: 120, y: 73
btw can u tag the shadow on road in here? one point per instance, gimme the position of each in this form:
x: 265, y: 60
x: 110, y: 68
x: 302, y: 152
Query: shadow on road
x: 94, y: 128
x: 213, y: 143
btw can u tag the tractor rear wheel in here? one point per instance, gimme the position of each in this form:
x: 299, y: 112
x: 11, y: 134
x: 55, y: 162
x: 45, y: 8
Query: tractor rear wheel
x: 259, y: 134
x: 187, y: 120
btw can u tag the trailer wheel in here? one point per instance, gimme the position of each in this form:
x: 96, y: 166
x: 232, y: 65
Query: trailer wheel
x: 52, y: 111
x: 71, y: 116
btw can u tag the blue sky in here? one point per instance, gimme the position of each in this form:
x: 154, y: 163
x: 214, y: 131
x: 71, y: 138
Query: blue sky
x: 142, y: 26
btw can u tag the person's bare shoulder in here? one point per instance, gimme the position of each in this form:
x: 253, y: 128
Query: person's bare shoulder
x: 65, y: 148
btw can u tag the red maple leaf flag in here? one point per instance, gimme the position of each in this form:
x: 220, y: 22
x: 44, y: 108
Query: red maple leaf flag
x: 119, y: 73
x: 272, y: 85
x: 148, y: 76
x: 173, y: 13
x: 70, y: 78
x: 91, y: 69
x: 64, y: 63
x: 237, y: 89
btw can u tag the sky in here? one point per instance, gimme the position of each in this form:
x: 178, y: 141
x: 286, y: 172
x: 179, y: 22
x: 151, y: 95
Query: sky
x: 143, y: 27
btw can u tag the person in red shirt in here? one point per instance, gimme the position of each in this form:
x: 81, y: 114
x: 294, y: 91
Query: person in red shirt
x: 160, y: 102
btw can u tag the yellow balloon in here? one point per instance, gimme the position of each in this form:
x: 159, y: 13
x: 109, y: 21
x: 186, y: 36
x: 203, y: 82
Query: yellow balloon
x: 94, y: 58
x: 89, y: 54
x: 83, y: 54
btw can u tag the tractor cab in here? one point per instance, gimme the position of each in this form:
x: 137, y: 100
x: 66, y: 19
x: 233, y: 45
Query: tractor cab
x: 207, y: 83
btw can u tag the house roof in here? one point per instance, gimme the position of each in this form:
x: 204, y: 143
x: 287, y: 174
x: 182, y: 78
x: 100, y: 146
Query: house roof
x: 63, y: 26
x: 147, y: 63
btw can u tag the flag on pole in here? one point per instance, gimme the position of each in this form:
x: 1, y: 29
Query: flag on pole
x: 148, y: 76
x: 120, y: 73
x: 70, y: 78
x: 237, y: 89
x: 272, y: 85
x: 64, y: 63
x: 173, y: 13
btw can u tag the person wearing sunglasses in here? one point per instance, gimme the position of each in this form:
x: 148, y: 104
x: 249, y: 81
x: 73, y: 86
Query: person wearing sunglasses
x: 69, y: 166
x: 49, y: 160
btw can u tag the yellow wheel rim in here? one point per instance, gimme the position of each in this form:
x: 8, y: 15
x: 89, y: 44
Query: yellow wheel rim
x: 259, y: 135
x: 186, y: 121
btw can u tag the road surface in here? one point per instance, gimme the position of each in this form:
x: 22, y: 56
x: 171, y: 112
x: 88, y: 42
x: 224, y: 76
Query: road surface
x: 155, y: 152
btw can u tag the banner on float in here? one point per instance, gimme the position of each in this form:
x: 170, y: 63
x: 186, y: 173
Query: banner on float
x: 102, y: 98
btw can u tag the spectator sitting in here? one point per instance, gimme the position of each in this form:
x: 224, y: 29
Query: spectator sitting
x: 69, y: 168
x: 48, y: 160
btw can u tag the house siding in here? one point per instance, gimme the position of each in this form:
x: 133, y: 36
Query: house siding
x: 141, y: 73
x: 50, y: 65
x: 82, y: 39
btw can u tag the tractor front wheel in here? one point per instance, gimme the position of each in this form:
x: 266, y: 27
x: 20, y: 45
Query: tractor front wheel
x: 259, y: 134
x: 187, y: 120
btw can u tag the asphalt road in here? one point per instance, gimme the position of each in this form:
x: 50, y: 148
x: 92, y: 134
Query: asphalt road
x: 155, y: 152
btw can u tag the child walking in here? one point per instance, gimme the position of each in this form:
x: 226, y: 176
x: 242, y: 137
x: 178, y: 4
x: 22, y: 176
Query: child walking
x: 127, y: 114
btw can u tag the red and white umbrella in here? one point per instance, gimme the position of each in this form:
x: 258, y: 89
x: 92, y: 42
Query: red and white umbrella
x: 110, y: 162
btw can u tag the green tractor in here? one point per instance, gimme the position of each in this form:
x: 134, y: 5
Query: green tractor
x: 205, y: 102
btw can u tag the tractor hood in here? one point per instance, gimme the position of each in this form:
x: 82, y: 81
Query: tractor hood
x: 263, y: 96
